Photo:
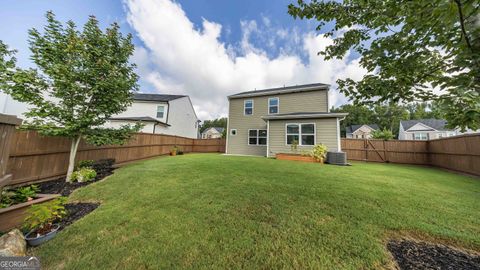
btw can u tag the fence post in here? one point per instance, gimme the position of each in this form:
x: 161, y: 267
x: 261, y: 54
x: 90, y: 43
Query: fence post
x: 7, y: 129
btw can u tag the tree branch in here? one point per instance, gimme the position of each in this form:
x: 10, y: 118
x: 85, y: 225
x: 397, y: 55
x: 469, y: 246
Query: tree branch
x: 464, y: 31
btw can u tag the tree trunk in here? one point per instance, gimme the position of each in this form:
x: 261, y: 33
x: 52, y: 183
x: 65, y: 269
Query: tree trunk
x: 71, y: 161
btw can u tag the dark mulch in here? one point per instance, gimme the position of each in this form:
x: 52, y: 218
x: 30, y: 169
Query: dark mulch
x: 76, y: 211
x: 420, y: 255
x: 60, y: 186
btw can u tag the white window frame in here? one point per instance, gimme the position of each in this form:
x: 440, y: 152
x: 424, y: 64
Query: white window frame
x: 278, y: 105
x: 163, y: 112
x: 245, y: 104
x: 420, y: 133
x: 258, y: 137
x: 232, y: 130
x: 300, y: 133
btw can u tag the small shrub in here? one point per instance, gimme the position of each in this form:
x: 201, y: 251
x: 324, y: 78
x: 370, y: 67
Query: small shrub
x: 84, y: 175
x: 40, y: 217
x: 319, y: 152
x: 384, y: 134
x: 19, y: 195
x: 85, y: 164
x: 179, y: 152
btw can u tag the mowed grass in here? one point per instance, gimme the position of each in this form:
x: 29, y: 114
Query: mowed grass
x: 208, y: 211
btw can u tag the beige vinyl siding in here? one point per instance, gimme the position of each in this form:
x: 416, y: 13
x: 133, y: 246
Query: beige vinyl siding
x: 313, y: 101
x: 325, y: 132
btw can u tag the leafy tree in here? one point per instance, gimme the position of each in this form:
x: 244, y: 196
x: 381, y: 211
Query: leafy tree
x: 408, y: 48
x: 83, y: 78
x: 389, y: 116
x: 384, y: 134
x: 219, y: 122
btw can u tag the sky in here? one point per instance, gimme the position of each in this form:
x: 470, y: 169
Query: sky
x: 207, y: 49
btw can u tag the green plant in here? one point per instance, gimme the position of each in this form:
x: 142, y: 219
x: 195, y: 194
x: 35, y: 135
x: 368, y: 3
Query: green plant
x: 294, y: 146
x: 85, y: 164
x: 319, y: 152
x: 384, y: 134
x: 84, y: 175
x: 174, y: 150
x: 19, y: 195
x: 40, y: 217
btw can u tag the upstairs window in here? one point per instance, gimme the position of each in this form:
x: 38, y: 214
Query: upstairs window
x: 257, y: 137
x: 160, y: 111
x: 248, y: 107
x: 420, y: 136
x: 273, y: 105
x: 302, y: 134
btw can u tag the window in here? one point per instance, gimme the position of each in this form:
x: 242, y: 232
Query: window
x: 420, y: 136
x: 257, y: 137
x: 233, y: 132
x: 248, y: 107
x: 303, y: 134
x: 160, y: 111
x: 273, y: 105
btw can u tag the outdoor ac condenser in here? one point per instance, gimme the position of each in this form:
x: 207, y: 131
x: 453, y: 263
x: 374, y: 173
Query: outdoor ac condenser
x: 337, y: 158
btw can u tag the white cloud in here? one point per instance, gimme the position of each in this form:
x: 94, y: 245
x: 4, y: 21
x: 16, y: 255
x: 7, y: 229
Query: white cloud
x: 179, y: 58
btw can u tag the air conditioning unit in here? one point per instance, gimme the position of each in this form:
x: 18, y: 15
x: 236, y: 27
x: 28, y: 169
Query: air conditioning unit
x: 337, y: 158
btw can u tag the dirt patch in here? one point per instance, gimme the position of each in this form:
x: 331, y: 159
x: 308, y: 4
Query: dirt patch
x: 421, y: 255
x: 60, y: 186
x: 75, y: 212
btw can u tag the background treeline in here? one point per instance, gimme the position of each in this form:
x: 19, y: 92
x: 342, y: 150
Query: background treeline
x: 387, y: 116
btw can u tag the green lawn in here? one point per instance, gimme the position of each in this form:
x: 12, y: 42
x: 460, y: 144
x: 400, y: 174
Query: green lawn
x: 211, y: 211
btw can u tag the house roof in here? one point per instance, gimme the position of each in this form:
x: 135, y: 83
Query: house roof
x: 156, y: 97
x: 282, y: 90
x: 303, y: 115
x: 353, y: 128
x: 140, y: 119
x: 437, y: 124
x: 219, y: 129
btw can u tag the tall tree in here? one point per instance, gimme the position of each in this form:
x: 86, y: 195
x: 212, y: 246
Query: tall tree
x: 389, y: 116
x: 83, y: 78
x: 357, y: 115
x: 408, y: 48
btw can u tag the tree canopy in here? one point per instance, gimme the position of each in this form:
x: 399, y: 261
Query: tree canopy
x: 82, y: 79
x: 219, y: 122
x: 409, y: 48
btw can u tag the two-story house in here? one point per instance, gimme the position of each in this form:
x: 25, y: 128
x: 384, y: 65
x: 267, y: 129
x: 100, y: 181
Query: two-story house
x: 160, y: 114
x: 267, y: 122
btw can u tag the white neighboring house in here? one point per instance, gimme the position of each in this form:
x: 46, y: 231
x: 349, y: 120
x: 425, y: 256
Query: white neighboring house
x: 427, y: 129
x: 10, y: 106
x: 360, y: 131
x: 161, y: 114
x: 212, y: 133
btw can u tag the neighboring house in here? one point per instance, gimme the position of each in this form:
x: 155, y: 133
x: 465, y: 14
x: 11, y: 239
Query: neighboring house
x: 267, y: 122
x: 160, y: 114
x: 212, y: 133
x: 425, y: 129
x: 10, y: 106
x: 360, y: 131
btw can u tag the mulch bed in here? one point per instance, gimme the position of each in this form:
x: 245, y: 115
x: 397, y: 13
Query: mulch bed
x: 420, y: 255
x: 75, y: 212
x: 60, y: 186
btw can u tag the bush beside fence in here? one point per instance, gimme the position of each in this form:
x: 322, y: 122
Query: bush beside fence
x: 37, y: 158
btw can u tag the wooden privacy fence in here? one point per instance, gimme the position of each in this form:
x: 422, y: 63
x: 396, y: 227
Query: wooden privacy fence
x: 460, y: 153
x: 7, y: 130
x: 37, y: 158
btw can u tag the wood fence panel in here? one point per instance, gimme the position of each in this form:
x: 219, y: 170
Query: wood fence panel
x: 7, y: 130
x: 38, y: 158
x: 459, y: 153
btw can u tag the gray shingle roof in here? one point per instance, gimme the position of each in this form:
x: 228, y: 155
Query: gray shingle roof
x: 438, y: 124
x: 280, y: 90
x: 155, y: 97
x: 352, y: 128
x: 140, y: 119
x: 219, y: 129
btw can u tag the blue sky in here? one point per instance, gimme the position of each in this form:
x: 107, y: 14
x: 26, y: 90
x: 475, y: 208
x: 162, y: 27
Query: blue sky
x: 204, y: 48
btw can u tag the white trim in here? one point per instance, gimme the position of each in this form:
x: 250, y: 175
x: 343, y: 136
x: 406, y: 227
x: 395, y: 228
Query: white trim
x: 300, y: 133
x: 278, y: 105
x: 420, y: 123
x: 268, y: 138
x: 339, y: 141
x: 245, y: 103
x: 163, y: 112
x: 258, y: 137
x: 228, y: 129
